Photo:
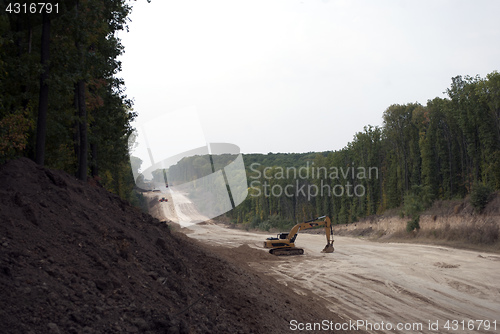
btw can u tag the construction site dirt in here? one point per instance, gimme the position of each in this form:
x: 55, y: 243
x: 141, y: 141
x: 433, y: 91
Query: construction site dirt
x: 384, y: 287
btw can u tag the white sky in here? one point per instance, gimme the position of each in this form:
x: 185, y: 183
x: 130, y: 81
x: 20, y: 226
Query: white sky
x: 300, y: 75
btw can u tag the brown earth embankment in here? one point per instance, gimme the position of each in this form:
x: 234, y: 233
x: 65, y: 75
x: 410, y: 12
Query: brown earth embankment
x: 452, y: 223
x: 75, y: 258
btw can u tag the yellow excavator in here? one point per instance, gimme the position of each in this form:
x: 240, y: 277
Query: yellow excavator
x: 284, y: 243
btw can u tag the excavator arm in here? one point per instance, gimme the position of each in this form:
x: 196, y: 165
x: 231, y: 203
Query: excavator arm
x: 284, y: 244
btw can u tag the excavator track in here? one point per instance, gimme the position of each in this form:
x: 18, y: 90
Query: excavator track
x: 286, y: 251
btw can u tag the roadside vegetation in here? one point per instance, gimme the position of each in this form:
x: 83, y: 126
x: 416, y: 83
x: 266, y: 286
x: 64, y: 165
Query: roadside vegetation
x: 455, y: 223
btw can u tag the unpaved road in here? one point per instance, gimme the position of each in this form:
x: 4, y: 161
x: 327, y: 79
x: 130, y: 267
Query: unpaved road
x: 178, y: 209
x: 384, y: 282
x: 386, y: 285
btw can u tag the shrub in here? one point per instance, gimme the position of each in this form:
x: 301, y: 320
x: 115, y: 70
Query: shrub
x: 14, y: 132
x: 255, y: 222
x: 265, y: 226
x: 413, y: 224
x: 416, y: 201
x: 480, y: 196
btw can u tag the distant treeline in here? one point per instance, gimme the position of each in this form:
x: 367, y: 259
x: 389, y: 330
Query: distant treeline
x: 442, y: 150
x: 61, y: 102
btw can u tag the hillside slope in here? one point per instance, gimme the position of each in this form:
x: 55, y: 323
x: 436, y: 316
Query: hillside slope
x: 454, y: 223
x: 75, y: 258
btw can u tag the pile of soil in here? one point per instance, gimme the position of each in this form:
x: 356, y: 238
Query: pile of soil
x: 75, y: 258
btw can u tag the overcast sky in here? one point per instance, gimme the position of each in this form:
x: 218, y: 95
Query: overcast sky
x: 300, y: 75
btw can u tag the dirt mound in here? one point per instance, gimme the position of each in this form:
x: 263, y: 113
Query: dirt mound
x: 75, y: 258
x: 245, y: 254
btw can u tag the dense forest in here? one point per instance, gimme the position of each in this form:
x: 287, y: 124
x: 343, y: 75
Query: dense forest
x: 61, y: 101
x: 447, y: 149
x: 63, y: 105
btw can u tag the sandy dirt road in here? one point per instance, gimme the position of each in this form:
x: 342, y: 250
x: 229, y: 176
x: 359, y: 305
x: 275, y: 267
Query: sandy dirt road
x: 178, y: 209
x: 401, y: 284
x: 387, y: 287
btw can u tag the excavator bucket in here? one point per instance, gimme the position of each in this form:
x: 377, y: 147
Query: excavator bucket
x: 328, y: 249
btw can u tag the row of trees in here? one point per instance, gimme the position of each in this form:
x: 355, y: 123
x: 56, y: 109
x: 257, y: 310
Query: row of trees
x: 421, y: 153
x: 61, y: 103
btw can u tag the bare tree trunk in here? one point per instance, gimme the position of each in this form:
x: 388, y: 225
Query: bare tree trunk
x: 76, y: 134
x: 43, y: 104
x: 81, y: 111
x: 94, y: 170
x: 82, y: 114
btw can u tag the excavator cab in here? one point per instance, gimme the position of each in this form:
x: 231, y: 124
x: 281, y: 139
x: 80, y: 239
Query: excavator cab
x: 279, y: 236
x: 283, y: 235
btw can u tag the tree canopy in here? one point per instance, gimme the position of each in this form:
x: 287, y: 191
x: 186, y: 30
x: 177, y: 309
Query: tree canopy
x: 442, y: 150
x: 62, y: 102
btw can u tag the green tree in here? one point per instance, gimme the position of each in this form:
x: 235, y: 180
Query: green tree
x: 85, y: 99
